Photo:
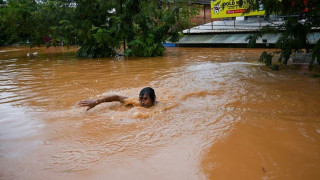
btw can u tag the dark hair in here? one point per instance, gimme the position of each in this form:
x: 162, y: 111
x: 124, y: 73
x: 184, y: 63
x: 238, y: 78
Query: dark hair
x: 150, y: 91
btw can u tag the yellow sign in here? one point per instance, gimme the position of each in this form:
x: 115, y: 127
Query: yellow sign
x: 231, y: 8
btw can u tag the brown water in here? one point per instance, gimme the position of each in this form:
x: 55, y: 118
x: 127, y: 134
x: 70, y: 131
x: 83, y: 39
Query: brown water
x: 221, y: 115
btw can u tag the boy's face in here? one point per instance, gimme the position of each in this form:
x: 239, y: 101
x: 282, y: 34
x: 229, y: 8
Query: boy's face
x: 145, y: 100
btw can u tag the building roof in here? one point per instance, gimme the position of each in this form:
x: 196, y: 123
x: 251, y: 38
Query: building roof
x: 200, y: 1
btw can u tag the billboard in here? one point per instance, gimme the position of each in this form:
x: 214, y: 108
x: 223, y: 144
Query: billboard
x: 231, y: 8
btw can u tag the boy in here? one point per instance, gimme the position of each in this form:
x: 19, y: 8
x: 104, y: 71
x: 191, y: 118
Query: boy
x: 147, y: 98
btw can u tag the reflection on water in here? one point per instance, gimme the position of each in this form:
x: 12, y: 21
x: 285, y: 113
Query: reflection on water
x: 219, y: 112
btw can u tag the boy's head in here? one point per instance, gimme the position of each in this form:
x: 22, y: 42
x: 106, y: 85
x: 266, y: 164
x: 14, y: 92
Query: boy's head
x: 147, y: 97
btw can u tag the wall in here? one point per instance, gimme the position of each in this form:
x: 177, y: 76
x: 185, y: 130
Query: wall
x: 204, y: 16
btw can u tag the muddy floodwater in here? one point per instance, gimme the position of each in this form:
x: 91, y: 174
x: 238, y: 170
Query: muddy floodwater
x: 222, y: 115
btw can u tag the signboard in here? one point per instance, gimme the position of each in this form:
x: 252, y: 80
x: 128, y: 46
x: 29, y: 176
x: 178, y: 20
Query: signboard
x: 231, y: 8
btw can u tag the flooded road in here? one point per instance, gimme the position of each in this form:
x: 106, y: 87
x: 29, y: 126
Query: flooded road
x: 221, y: 115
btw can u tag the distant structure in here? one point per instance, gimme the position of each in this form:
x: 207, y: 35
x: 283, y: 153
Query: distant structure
x: 221, y: 23
x: 205, y: 12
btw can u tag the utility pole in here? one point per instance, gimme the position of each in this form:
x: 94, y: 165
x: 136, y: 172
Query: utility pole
x: 204, y: 13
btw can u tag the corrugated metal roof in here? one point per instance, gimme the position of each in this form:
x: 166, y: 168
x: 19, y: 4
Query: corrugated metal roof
x: 234, y: 39
x: 201, y: 2
x: 197, y: 1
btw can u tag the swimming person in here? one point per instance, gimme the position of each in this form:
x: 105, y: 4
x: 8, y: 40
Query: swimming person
x: 147, y: 98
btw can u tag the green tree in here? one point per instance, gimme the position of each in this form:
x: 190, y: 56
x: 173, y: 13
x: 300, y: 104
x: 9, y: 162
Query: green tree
x: 17, y: 22
x: 148, y: 23
x: 53, y: 19
x: 141, y: 25
x: 3, y: 36
x: 301, y: 17
x: 99, y: 27
x: 96, y: 28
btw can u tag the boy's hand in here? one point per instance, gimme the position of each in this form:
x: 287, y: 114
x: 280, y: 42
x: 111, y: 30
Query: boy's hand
x: 90, y: 103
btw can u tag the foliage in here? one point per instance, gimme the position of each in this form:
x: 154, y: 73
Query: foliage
x: 300, y: 18
x: 54, y: 21
x: 148, y: 23
x: 3, y: 36
x: 315, y: 76
x: 99, y: 27
x: 61, y: 34
x: 96, y: 27
x: 252, y: 39
x: 266, y: 58
x: 147, y: 31
x: 275, y: 67
x: 17, y: 22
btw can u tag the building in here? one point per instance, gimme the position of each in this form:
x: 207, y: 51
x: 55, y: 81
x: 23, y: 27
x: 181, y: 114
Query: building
x: 205, y: 12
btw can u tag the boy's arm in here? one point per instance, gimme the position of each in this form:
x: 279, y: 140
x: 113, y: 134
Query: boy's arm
x: 92, y: 103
